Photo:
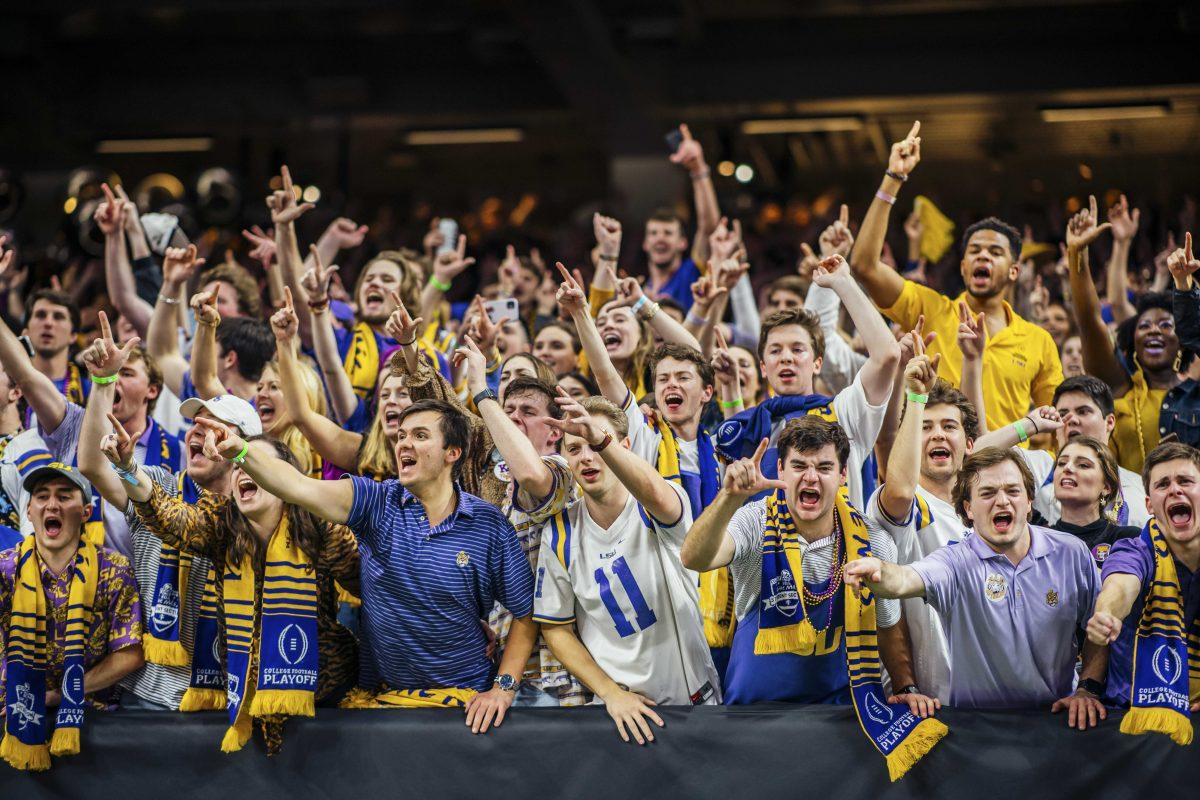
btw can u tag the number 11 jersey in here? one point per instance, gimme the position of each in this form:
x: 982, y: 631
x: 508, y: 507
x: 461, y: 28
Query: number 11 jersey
x: 635, y: 606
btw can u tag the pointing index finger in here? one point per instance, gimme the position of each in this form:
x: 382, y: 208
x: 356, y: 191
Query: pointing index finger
x: 760, y: 452
x: 844, y: 215
x: 916, y: 128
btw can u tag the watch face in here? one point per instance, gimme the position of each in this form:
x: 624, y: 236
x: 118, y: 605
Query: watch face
x: 506, y: 682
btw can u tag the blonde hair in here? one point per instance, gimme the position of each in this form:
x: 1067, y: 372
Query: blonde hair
x: 634, y: 372
x: 314, y: 393
x: 376, y: 455
x: 411, y: 277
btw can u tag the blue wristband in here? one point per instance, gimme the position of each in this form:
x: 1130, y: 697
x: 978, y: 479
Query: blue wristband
x: 640, y: 302
x: 126, y: 475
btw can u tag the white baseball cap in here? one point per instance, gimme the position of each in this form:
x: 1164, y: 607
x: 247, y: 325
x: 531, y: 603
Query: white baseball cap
x: 159, y: 228
x: 229, y: 409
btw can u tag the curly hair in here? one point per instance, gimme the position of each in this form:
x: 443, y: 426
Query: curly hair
x: 249, y: 299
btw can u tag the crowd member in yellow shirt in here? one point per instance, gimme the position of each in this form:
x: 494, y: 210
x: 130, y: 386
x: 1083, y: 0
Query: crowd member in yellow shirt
x: 1021, y: 366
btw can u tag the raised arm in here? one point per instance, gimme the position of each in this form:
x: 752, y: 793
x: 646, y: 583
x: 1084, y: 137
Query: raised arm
x: 708, y: 545
x: 113, y: 218
x: 285, y: 209
x: 104, y: 360
x: 315, y: 283
x: 204, y: 347
x: 882, y: 282
x: 884, y: 578
x: 524, y: 462
x: 904, y: 461
x: 1099, y: 358
x: 690, y: 155
x: 573, y: 300
x: 334, y: 443
x: 162, y: 335
x: 39, y: 391
x: 1117, y: 596
x: 972, y: 341
x: 629, y: 293
x: 329, y: 500
x: 606, y: 253
x: 651, y: 490
x: 883, y: 353
x: 446, y: 267
x: 1184, y: 302
x: 729, y: 384
x: 1124, y: 227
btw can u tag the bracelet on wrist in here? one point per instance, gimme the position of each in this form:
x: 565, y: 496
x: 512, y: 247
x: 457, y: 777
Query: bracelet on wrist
x: 611, y: 259
x: 732, y: 403
x: 104, y: 380
x: 1022, y: 435
x: 127, y: 475
x: 439, y: 285
x: 603, y: 443
x: 171, y: 301
x: 896, y: 176
x: 409, y: 343
x: 890, y: 199
x: 692, y: 319
x: 914, y: 397
x: 701, y: 174
x: 319, y: 308
x: 650, y: 310
x: 240, y: 458
x: 641, y: 301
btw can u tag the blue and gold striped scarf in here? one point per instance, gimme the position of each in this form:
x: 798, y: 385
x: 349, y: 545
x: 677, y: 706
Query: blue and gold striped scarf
x: 1166, y: 657
x: 902, y: 738
x: 283, y: 634
x: 25, y: 729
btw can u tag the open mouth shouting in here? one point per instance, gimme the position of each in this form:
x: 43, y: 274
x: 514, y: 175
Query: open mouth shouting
x: 391, y: 418
x: 1067, y: 482
x: 1181, y: 515
x: 1155, y: 347
x: 808, y: 499
x: 612, y: 340
x: 53, y: 525
x: 939, y: 455
x: 788, y: 376
x: 247, y: 489
x: 1002, y: 521
x: 673, y: 400
x: 266, y: 411
x: 196, y: 453
x: 589, y: 474
x: 373, y: 298
x: 981, y: 274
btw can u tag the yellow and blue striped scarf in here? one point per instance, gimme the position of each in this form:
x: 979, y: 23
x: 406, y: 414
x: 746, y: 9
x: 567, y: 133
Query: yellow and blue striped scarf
x: 25, y: 729
x: 1166, y: 657
x: 896, y: 733
x: 284, y: 635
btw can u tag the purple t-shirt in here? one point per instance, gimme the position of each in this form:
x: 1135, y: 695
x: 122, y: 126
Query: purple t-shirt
x: 1133, y: 557
x: 1013, y: 629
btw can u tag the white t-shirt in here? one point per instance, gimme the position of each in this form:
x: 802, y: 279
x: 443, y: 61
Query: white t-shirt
x: 634, y: 604
x: 1041, y: 464
x: 931, y: 523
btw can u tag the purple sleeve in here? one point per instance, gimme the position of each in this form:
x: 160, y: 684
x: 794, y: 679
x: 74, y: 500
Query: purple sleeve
x: 63, y: 441
x: 1131, y: 557
x: 937, y: 571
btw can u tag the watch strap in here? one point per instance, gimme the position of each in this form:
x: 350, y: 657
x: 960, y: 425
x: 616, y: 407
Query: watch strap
x: 485, y: 395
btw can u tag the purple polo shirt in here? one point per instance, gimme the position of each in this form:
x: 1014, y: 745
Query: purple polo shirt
x: 1013, y: 630
x: 1133, y: 557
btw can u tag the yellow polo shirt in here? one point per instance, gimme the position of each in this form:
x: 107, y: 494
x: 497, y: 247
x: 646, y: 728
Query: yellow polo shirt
x: 1137, y: 431
x: 1021, y: 368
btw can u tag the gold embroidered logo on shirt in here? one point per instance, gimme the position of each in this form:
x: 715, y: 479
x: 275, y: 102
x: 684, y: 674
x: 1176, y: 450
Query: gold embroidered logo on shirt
x: 995, y: 587
x: 1052, y: 598
x: 462, y: 559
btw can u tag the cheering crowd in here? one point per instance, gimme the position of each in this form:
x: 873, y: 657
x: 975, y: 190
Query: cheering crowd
x: 633, y: 490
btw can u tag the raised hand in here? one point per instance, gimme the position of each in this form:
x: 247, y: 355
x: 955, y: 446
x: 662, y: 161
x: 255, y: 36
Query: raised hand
x: 705, y: 292
x: 837, y: 239
x: 221, y: 442
x: 345, y: 233
x: 109, y: 214
x: 608, y: 234
x: 629, y: 291
x: 571, y: 296
x: 204, y: 306
x: 722, y: 243
x: 469, y: 353
x: 118, y: 445
x: 972, y: 333
x: 831, y: 270
x: 807, y: 264
x: 263, y: 244
x: 449, y: 265
x: 434, y: 238
x: 576, y: 420
x: 1183, y: 264
x: 920, y: 373
x: 103, y: 358
x: 689, y: 154
x: 6, y: 260
x: 724, y: 367
x: 1124, y: 222
x: 1044, y: 419
x: 285, y: 207
x: 744, y: 477
x: 180, y: 264
x: 284, y: 323
x: 906, y: 153
x: 728, y: 273
x: 481, y: 328
x: 862, y: 571
x: 1083, y: 229
x: 400, y: 325
x: 915, y: 341
x: 316, y: 279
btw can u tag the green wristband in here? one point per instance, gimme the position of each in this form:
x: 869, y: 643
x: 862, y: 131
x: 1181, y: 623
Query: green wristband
x: 98, y: 380
x: 240, y: 458
x: 435, y: 283
x: 732, y: 403
x: 913, y: 397
x: 1022, y: 435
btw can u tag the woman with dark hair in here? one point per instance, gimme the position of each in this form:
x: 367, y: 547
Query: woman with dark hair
x: 1086, y: 484
x: 276, y: 564
x: 1143, y: 370
x: 578, y: 385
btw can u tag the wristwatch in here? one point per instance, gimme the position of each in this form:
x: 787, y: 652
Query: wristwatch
x: 507, y: 682
x: 486, y: 394
x: 910, y: 689
x: 1091, y: 686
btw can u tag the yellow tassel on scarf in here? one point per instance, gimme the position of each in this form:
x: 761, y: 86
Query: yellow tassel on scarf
x: 64, y: 742
x: 18, y: 755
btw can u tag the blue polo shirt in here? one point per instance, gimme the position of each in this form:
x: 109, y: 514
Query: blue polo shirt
x: 426, y: 593
x: 679, y: 287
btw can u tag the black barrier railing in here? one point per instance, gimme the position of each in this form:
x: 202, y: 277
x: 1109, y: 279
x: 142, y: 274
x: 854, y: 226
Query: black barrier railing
x: 767, y: 752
